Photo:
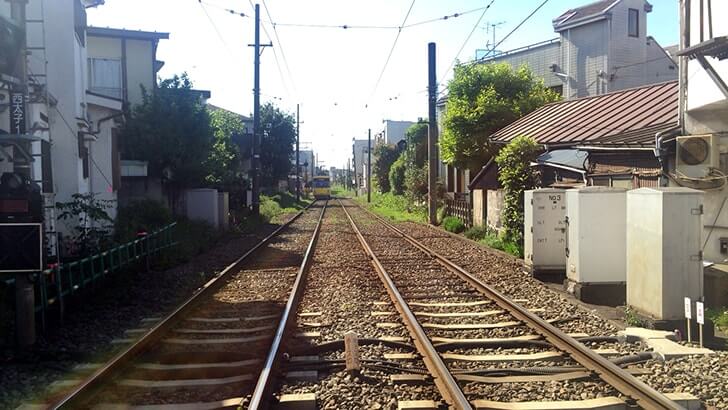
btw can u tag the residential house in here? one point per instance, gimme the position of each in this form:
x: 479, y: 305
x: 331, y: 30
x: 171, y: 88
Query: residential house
x: 602, y: 47
x: 55, y: 148
x: 394, y: 131
x: 361, y: 158
x: 604, y: 140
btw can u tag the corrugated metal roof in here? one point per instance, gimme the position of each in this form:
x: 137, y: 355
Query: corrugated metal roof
x: 626, y: 117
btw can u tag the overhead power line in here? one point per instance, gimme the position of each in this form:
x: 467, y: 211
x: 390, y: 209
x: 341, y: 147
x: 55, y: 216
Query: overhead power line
x: 514, y: 29
x: 391, y: 51
x: 475, y: 27
x: 280, y: 45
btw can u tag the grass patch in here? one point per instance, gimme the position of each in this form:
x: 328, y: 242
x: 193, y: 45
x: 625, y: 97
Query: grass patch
x: 341, y: 191
x: 394, y: 207
x: 719, y: 317
x: 491, y: 239
x: 453, y: 224
x: 272, y: 207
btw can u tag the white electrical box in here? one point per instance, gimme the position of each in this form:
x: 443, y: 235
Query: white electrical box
x: 596, y: 219
x: 664, y: 259
x: 544, y: 229
x: 202, y: 205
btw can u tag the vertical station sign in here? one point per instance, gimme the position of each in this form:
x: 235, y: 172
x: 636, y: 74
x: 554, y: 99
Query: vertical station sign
x: 17, y: 112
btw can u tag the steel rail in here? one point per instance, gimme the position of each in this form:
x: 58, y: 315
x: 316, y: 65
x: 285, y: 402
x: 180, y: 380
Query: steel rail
x: 625, y: 383
x: 444, y: 380
x: 74, y: 398
x: 259, y: 398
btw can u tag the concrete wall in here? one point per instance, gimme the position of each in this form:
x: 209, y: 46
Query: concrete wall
x: 495, y: 205
x: 480, y: 207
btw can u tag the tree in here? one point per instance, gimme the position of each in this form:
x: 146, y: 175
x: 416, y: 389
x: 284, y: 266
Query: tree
x: 516, y: 176
x: 416, y: 138
x: 171, y: 131
x: 385, y: 155
x: 276, y: 148
x: 483, y: 98
x: 224, y: 161
x: 415, y: 183
x: 396, y: 176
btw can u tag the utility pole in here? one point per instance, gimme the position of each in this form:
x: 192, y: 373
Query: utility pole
x: 369, y: 167
x: 24, y: 288
x: 353, y: 164
x: 432, y: 136
x: 298, y: 140
x: 255, y: 162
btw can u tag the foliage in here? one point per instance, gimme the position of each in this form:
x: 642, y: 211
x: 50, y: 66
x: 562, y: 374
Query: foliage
x: 416, y: 138
x: 719, y: 317
x: 632, y: 318
x: 276, y: 147
x: 453, y: 224
x: 396, y: 176
x: 341, y: 191
x: 272, y: 207
x: 483, y: 98
x: 415, y: 183
x: 86, y: 216
x: 516, y: 176
x: 146, y: 215
x: 385, y: 155
x: 224, y: 161
x: 394, y: 207
x: 491, y: 239
x: 171, y: 130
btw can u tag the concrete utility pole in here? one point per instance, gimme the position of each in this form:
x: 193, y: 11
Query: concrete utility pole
x: 255, y: 162
x: 298, y: 140
x: 24, y: 289
x: 353, y: 164
x: 432, y: 136
x: 369, y: 167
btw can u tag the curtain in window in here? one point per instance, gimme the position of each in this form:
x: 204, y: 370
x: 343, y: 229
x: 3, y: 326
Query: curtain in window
x: 106, y: 77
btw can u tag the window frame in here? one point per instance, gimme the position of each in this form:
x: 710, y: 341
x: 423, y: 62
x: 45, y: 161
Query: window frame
x: 636, y: 14
x: 91, y: 77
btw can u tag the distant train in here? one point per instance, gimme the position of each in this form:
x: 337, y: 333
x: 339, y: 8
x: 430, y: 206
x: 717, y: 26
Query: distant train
x: 322, y: 187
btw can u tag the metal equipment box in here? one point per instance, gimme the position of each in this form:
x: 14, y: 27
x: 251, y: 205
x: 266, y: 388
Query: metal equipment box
x: 544, y: 230
x: 596, y: 220
x: 664, y: 259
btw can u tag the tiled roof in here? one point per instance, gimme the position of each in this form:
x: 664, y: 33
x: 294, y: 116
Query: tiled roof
x: 626, y: 117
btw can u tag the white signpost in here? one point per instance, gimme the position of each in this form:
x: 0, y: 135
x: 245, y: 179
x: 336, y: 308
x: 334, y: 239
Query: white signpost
x: 688, y: 316
x: 700, y: 315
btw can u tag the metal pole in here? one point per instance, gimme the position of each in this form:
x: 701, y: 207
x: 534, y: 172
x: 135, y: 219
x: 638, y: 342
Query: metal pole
x: 298, y: 141
x: 24, y: 288
x: 369, y: 167
x: 432, y: 136
x: 256, y: 116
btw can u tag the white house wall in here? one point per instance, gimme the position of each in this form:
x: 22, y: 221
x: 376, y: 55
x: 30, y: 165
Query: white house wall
x: 584, y: 53
x: 628, y: 55
x: 707, y: 107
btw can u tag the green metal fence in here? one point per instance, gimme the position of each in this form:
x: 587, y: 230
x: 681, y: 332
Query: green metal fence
x: 56, y: 284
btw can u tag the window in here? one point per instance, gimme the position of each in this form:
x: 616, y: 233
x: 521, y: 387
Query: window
x: 105, y: 76
x: 633, y: 23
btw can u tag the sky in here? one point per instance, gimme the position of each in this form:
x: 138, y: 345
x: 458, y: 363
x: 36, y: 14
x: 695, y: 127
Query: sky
x: 336, y: 75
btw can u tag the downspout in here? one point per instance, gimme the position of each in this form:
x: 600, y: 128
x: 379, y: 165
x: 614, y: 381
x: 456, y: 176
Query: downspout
x: 661, y: 153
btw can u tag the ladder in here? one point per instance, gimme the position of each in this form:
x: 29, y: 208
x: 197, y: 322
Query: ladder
x: 39, y: 100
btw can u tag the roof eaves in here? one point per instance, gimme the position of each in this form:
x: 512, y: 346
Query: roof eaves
x: 124, y: 33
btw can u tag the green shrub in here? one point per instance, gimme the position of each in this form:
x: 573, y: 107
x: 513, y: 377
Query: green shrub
x: 719, y: 317
x: 146, y: 215
x: 396, y: 176
x: 415, y: 183
x: 476, y: 233
x: 453, y: 224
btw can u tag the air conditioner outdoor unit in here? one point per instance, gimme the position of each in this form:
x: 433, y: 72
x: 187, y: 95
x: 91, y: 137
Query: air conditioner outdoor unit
x: 697, y: 154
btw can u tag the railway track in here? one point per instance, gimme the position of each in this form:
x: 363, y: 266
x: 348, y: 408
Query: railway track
x: 219, y: 348
x: 479, y: 344
x: 274, y: 322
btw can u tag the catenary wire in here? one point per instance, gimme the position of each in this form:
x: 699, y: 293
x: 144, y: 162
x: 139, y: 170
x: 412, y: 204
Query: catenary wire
x: 391, y: 51
x: 475, y: 27
x: 280, y: 45
x: 514, y: 29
